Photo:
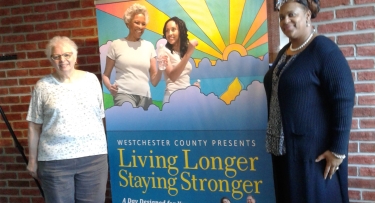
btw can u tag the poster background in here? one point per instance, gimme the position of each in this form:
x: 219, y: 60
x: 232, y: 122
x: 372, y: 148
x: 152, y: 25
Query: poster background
x: 230, y: 107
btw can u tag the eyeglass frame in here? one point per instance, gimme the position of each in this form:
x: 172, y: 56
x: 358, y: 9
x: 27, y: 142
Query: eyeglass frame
x: 66, y: 55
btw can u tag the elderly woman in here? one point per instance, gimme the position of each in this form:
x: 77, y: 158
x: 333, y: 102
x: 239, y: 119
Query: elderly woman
x: 135, y: 63
x: 310, y: 95
x: 67, y: 143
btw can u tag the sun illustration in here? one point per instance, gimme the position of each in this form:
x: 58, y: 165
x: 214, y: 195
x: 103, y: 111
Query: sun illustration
x: 238, y: 25
x: 220, y: 26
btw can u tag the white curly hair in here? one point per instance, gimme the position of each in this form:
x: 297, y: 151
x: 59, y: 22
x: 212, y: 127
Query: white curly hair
x: 134, y: 10
x: 66, y: 41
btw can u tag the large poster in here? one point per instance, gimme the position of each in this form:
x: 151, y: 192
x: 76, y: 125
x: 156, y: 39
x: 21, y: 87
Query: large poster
x: 204, y: 143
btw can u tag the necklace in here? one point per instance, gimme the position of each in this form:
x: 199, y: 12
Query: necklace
x: 304, y: 44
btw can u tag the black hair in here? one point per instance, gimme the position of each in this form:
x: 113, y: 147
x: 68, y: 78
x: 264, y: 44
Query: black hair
x: 312, y: 5
x: 183, y: 36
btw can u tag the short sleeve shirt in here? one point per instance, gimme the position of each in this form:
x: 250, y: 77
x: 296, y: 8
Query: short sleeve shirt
x: 132, y: 65
x: 71, y: 117
x: 183, y: 81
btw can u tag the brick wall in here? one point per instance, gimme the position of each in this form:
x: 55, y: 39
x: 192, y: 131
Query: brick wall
x: 351, y: 24
x: 26, y: 26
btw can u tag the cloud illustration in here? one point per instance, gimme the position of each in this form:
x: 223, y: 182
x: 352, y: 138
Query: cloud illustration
x: 189, y: 109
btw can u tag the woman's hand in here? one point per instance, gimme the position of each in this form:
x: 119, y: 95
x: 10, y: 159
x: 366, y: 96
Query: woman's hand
x: 193, y: 43
x: 332, y: 163
x: 32, y: 168
x: 113, y: 89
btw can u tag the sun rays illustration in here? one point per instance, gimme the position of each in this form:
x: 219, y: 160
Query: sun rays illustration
x: 221, y: 27
x: 239, y: 25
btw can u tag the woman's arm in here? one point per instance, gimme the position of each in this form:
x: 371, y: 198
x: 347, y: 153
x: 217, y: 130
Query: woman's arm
x: 109, y: 64
x: 174, y: 73
x: 34, y: 131
x: 155, y: 73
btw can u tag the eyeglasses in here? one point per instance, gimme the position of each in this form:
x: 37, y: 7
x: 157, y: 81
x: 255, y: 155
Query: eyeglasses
x: 65, y: 55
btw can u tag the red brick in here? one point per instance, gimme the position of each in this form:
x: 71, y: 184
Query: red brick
x: 353, y: 147
x: 15, y: 167
x: 365, y: 24
x: 352, y: 171
x: 6, y: 142
x: 8, y: 82
x: 67, y: 33
x: 368, y: 195
x: 17, y: 73
x: 27, y: 2
x: 90, y: 68
x: 7, y: 65
x: 26, y: 99
x: 18, y: 183
x: 21, y: 55
x: 361, y: 183
x: 44, y: 63
x: 92, y: 42
x: 36, y: 54
x: 13, y: 38
x: 12, y: 20
x: 68, y: 5
x: 367, y: 147
x: 70, y: 24
x: 61, y: 15
x: 366, y: 100
x: 355, y: 12
x: 367, y: 123
x: 4, y: 91
x: 36, y: 37
x: 13, y: 116
x: 40, y: 71
x: 81, y: 60
x: 324, y: 16
x: 354, y: 194
x: 363, y: 1
x: 333, y: 3
x: 79, y: 42
x: 20, y: 90
x: 27, y: 46
x: 5, y: 29
x: 28, y: 81
x: 83, y: 32
x: 354, y: 124
x: 366, y: 50
x: 365, y: 76
x: 8, y: 191
x: 347, y: 51
x: 21, y: 10
x: 23, y: 28
x: 2, y: 74
x: 27, y: 64
x: 89, y: 22
x: 19, y: 199
x: 82, y: 13
x: 87, y: 50
x: 19, y: 108
x: 45, y: 8
x: 6, y: 175
x: 364, y: 88
x: 356, y: 39
x: 4, y: 11
x: 46, y: 26
x: 35, y: 18
x: 7, y: 48
x: 362, y: 136
x: 93, y: 59
x: 43, y: 45
x: 361, y: 64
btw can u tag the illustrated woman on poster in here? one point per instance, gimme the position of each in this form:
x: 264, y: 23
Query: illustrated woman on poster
x: 134, y: 61
x: 178, y: 51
